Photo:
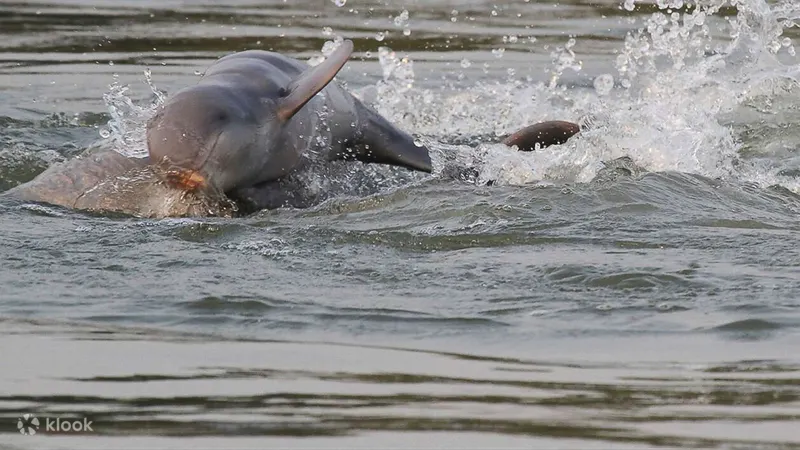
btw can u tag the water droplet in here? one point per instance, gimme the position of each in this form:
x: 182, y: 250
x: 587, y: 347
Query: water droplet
x: 700, y: 18
x: 629, y: 5
x: 104, y: 133
x: 327, y: 31
x: 402, y: 19
x: 465, y: 63
x: 339, y: 3
x: 407, y: 32
x: 380, y: 36
x: 498, y: 52
x: 603, y: 84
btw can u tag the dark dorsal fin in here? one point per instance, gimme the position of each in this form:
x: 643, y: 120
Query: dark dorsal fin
x: 383, y: 143
x: 543, y: 134
x: 314, y: 79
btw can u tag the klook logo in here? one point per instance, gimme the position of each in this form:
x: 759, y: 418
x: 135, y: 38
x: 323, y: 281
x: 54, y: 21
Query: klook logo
x: 29, y: 425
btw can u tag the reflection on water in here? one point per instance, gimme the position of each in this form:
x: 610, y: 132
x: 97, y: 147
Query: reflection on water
x: 174, y: 385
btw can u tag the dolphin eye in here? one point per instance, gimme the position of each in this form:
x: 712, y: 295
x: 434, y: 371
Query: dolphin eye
x: 221, y: 116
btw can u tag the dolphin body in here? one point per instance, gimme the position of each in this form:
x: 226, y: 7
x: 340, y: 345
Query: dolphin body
x: 234, y: 141
x: 104, y: 181
x: 252, y: 119
x: 257, y: 116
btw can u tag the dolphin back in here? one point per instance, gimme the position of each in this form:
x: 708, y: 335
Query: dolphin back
x: 339, y: 126
x: 348, y: 128
x: 265, y: 74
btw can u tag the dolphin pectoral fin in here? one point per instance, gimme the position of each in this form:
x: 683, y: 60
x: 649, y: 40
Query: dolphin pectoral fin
x: 542, y: 134
x: 311, y: 81
x: 381, y: 142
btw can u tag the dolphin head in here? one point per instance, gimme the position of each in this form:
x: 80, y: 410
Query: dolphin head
x: 216, y: 136
x: 207, y: 137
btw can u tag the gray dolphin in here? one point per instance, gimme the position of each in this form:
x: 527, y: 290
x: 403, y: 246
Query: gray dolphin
x: 290, y: 190
x: 256, y: 116
x: 103, y: 180
x: 233, y: 141
x: 253, y: 118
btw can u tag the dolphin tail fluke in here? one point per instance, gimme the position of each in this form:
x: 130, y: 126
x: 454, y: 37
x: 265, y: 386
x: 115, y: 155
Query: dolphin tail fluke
x: 383, y: 143
x: 542, y: 135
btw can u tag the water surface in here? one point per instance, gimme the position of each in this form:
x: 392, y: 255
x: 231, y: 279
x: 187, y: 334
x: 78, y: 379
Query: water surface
x: 573, y: 302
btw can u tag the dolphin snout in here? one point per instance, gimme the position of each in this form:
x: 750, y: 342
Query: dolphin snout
x: 186, y: 179
x: 180, y: 151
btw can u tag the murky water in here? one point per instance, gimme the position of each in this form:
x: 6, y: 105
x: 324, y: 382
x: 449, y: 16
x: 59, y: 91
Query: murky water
x: 574, y: 302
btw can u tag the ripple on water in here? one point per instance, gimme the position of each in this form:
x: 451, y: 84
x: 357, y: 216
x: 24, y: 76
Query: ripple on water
x: 750, y: 325
x: 555, y: 255
x: 206, y: 231
x: 236, y: 304
x: 268, y: 388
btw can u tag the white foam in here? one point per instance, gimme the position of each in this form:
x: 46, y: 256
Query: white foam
x: 679, y: 103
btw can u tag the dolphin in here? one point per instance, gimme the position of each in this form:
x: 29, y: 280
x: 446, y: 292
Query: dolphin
x: 256, y: 116
x: 105, y: 181
x: 253, y: 118
x: 290, y: 190
x: 234, y: 141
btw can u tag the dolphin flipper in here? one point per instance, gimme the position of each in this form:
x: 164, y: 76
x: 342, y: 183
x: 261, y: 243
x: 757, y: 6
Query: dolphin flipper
x: 542, y: 134
x: 307, y: 84
x: 383, y: 143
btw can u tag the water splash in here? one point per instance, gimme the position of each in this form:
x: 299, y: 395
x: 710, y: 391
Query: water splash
x: 692, y: 87
x: 327, y: 48
x: 564, y: 58
x: 402, y: 21
x: 686, y: 83
x: 126, y: 128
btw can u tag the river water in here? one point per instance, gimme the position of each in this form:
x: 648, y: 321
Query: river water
x: 571, y: 302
